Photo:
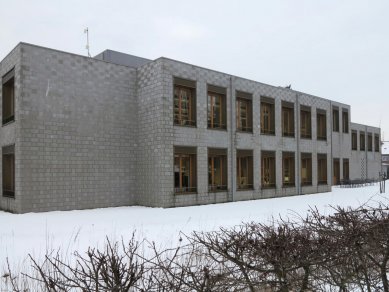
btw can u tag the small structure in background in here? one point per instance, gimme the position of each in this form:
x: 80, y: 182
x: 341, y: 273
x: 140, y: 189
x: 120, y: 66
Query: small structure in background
x: 383, y: 178
x: 385, y: 157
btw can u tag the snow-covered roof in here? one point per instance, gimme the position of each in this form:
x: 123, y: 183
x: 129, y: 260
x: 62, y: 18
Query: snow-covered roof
x: 385, y: 148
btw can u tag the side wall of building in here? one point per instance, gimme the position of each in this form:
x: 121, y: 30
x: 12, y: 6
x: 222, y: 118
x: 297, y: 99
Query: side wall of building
x: 78, y: 126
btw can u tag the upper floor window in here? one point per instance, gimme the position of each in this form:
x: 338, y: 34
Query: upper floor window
x: 268, y: 169
x: 305, y: 120
x: 335, y: 119
x: 184, y: 102
x: 8, y: 161
x: 267, y: 116
x: 185, y: 170
x: 354, y: 141
x: 345, y: 121
x: 244, y: 109
x: 376, y: 143
x: 369, y: 142
x: 217, y: 113
x: 217, y: 169
x: 244, y: 169
x: 321, y: 122
x: 362, y: 141
x: 287, y: 119
x: 8, y: 96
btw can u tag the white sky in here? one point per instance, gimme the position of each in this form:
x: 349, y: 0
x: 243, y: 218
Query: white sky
x: 336, y: 49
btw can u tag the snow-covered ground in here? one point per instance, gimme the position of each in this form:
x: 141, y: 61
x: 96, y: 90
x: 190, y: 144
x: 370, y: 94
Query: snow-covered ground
x: 37, y: 233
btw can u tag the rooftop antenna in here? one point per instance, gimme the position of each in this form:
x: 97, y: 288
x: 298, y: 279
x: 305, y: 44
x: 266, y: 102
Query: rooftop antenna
x: 87, y: 41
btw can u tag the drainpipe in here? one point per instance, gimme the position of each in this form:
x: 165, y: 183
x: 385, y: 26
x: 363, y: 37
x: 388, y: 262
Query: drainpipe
x: 332, y: 155
x: 366, y: 148
x: 233, y: 177
x: 298, y: 145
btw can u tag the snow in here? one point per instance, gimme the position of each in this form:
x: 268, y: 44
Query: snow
x: 385, y: 148
x: 38, y: 233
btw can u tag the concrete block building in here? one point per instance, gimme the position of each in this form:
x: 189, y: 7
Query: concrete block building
x: 119, y: 130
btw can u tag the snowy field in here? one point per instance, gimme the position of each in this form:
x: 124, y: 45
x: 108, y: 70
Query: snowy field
x: 38, y: 233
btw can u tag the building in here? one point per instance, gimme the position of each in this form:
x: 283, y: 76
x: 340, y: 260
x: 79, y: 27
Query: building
x: 385, y: 157
x: 117, y: 130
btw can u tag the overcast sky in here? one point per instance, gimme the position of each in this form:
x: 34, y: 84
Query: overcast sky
x: 335, y: 49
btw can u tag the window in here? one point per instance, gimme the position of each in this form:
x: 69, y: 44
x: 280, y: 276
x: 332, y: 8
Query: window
x: 322, y: 169
x: 306, y: 169
x: 336, y: 171
x: 8, y: 90
x: 287, y: 119
x: 345, y: 121
x: 244, y: 171
x: 321, y: 125
x: 335, y: 119
x: 362, y: 141
x: 354, y: 141
x: 244, y: 120
x: 8, y: 153
x: 305, y: 119
x: 268, y: 169
x: 369, y: 142
x: 185, y: 171
x: 184, y: 102
x: 217, y: 113
x: 217, y: 169
x: 376, y: 143
x: 288, y: 178
x: 267, y: 116
x: 346, y: 170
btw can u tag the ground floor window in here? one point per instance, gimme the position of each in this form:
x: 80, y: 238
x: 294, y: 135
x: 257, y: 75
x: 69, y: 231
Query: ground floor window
x: 288, y: 178
x: 268, y: 169
x: 322, y: 169
x: 336, y: 180
x: 185, y: 170
x: 306, y: 169
x: 8, y: 160
x: 346, y: 169
x: 244, y: 164
x: 217, y: 169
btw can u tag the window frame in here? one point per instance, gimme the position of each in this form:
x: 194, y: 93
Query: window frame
x: 268, y: 158
x: 322, y: 169
x: 288, y: 129
x: 369, y: 142
x: 212, y: 93
x: 267, y: 103
x: 345, y: 121
x: 306, y: 158
x: 244, y: 98
x: 190, y: 87
x: 185, y: 153
x: 354, y: 140
x: 220, y: 154
x: 336, y: 170
x: 346, y: 170
x: 247, y: 157
x: 8, y: 153
x: 290, y: 157
x: 321, y: 127
x: 305, y: 122
x: 376, y: 143
x: 7, y: 78
x: 335, y: 119
x: 362, y: 141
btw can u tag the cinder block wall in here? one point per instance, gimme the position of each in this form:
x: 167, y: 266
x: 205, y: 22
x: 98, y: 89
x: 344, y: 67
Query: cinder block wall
x: 77, y: 119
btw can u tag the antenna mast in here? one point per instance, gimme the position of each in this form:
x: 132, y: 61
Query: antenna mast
x: 87, y: 41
